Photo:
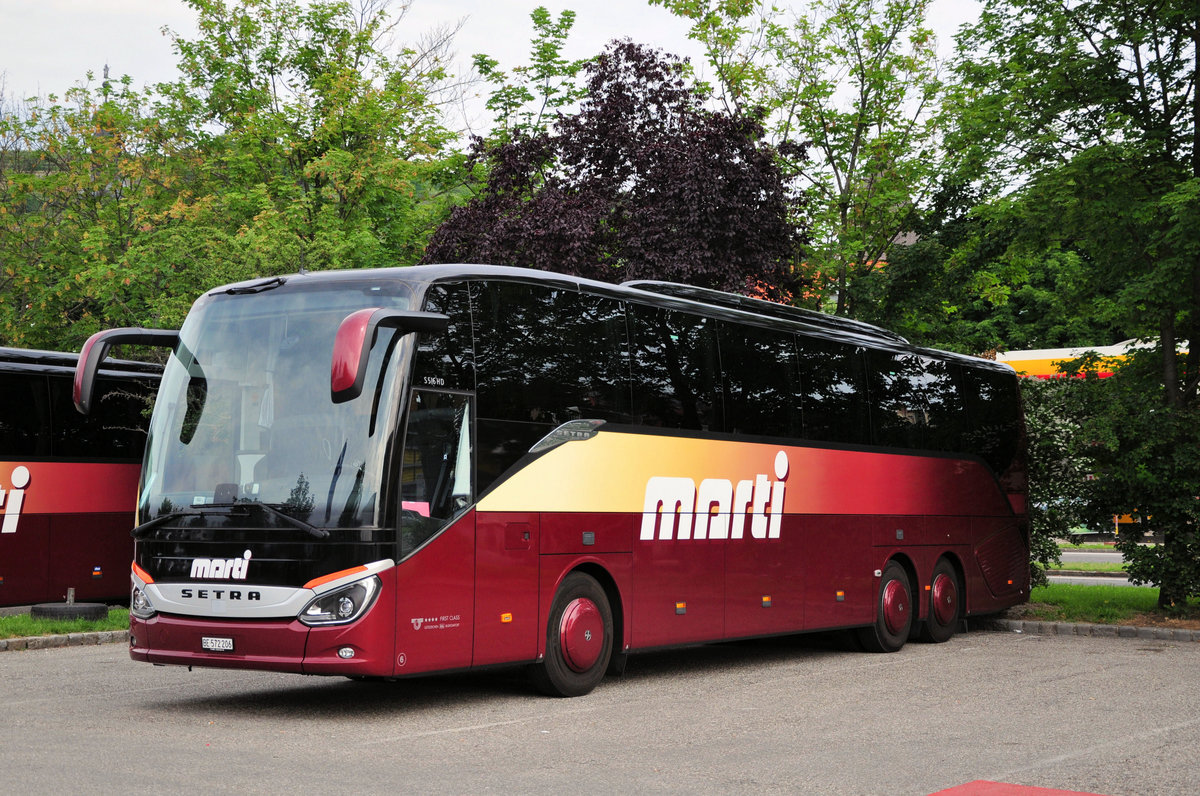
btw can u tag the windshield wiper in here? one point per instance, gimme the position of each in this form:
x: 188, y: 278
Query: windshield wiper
x: 311, y: 530
x: 257, y: 287
x: 161, y: 519
x: 200, y: 511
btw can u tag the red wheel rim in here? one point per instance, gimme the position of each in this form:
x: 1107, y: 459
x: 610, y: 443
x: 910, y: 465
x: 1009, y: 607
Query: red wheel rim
x: 581, y: 634
x: 895, y: 606
x: 945, y: 598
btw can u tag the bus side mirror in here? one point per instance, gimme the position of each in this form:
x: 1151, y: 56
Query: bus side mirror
x: 96, y: 349
x: 352, y: 346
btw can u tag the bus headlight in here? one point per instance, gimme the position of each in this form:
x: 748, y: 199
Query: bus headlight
x: 139, y: 604
x: 341, y: 605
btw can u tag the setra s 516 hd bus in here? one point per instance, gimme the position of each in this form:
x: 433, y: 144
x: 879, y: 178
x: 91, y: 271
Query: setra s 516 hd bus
x: 395, y: 472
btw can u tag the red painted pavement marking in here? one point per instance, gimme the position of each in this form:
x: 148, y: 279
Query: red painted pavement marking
x: 981, y: 787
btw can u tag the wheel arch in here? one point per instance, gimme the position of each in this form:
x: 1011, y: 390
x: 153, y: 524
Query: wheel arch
x: 960, y: 572
x: 916, y: 588
x: 613, y: 593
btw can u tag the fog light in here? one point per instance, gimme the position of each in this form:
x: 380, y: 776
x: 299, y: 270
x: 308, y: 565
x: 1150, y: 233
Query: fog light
x: 346, y: 652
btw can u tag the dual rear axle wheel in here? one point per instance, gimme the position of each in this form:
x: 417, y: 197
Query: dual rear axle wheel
x: 894, y: 615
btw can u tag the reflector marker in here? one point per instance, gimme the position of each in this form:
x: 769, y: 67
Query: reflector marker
x: 680, y: 609
x: 505, y: 619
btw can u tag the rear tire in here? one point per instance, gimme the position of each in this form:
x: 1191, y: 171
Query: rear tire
x: 945, y: 604
x: 893, y: 612
x: 579, y: 639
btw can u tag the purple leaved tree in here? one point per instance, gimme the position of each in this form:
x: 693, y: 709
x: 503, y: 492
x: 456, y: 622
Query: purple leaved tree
x: 643, y: 182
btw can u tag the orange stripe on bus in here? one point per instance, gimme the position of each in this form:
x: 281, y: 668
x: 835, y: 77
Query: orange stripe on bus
x: 315, y: 582
x: 141, y: 573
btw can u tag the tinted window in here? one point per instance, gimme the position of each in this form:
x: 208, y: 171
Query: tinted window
x: 993, y: 413
x: 446, y: 359
x: 762, y: 381
x: 947, y: 413
x: 896, y: 385
x: 547, y: 355
x: 116, y: 427
x: 675, y: 370
x: 833, y: 382
x: 24, y: 416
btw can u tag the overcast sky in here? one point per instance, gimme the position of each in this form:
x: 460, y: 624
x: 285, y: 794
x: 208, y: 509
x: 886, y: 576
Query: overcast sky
x: 47, y: 46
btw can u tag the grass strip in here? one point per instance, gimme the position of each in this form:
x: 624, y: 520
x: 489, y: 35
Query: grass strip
x: 1089, y: 566
x: 22, y: 625
x: 1104, y: 605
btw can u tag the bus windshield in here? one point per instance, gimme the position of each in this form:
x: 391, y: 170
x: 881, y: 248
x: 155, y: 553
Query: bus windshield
x: 244, y: 414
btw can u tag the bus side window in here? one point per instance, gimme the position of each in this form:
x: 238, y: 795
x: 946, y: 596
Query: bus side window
x: 762, y: 381
x: 24, y: 414
x: 435, y: 477
x: 947, y: 412
x: 896, y: 388
x: 835, y: 391
x: 116, y: 428
x: 676, y: 370
x: 993, y: 417
x: 447, y: 358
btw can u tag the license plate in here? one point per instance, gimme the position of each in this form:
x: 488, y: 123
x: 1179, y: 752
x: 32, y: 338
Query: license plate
x: 216, y: 644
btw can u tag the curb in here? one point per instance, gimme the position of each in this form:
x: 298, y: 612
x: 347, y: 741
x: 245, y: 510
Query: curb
x: 1082, y: 629
x: 69, y: 640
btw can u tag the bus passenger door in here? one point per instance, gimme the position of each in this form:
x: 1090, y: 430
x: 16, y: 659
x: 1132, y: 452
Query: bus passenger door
x: 436, y: 573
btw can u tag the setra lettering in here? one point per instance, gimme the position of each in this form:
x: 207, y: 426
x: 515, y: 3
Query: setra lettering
x: 219, y: 594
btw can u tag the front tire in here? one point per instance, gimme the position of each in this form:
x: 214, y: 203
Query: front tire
x: 579, y: 639
x: 893, y: 612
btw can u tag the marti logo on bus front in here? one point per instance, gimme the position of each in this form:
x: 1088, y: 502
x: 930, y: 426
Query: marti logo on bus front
x: 676, y: 501
x: 231, y: 568
x: 12, y: 499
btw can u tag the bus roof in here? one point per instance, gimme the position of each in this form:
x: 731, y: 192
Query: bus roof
x: 39, y: 361
x: 686, y: 298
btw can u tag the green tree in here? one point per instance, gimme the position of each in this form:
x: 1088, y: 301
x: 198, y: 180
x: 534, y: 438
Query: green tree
x: 1090, y: 109
x: 332, y: 147
x: 855, y: 80
x: 962, y: 285
x: 526, y: 100
x: 297, y: 137
x: 643, y: 182
x: 80, y: 182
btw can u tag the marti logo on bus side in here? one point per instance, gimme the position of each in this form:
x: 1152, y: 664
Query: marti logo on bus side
x: 672, y: 502
x: 13, y: 498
